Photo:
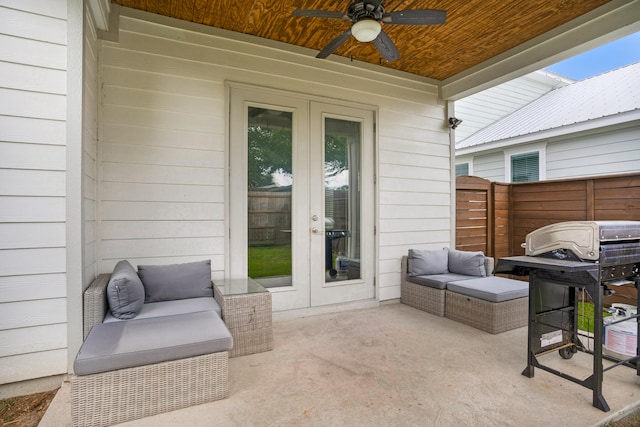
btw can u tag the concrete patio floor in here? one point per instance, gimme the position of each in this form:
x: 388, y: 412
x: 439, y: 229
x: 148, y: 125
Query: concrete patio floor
x: 394, y: 365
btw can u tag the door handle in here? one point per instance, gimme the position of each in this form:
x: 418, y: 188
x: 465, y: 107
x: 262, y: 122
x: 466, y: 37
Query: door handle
x: 315, y: 230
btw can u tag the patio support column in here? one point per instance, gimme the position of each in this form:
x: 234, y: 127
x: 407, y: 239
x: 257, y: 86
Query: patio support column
x: 451, y: 112
x: 74, y: 206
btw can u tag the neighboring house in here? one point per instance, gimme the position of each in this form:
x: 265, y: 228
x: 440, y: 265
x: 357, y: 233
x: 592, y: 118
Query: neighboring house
x: 586, y: 128
x: 487, y: 107
x: 123, y: 135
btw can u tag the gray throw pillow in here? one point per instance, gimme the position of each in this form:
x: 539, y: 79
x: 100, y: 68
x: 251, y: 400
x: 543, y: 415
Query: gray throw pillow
x: 125, y: 292
x: 468, y: 263
x: 176, y: 281
x: 424, y: 262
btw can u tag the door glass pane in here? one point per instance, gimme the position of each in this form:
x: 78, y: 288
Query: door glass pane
x: 342, y: 199
x: 270, y: 181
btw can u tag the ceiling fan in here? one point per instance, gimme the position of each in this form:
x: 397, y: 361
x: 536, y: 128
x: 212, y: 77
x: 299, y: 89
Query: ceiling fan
x: 366, y: 16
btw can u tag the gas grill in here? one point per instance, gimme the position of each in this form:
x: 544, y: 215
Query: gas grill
x: 564, y: 261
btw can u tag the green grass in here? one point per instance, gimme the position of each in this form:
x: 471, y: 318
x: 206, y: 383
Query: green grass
x: 585, y: 316
x: 267, y: 261
x: 5, y: 410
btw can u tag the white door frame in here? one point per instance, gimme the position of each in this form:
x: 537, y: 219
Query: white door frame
x: 240, y: 97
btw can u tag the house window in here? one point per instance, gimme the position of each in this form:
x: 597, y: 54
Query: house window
x: 462, y: 169
x: 525, y: 167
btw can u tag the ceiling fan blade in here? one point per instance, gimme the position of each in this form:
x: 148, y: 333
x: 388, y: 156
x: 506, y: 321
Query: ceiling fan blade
x: 415, y: 17
x: 334, y: 44
x: 319, y: 13
x: 385, y: 46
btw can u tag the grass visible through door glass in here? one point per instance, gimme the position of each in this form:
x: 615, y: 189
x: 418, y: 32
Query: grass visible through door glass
x: 267, y: 261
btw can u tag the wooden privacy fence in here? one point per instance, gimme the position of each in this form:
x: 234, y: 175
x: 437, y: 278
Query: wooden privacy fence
x: 269, y: 218
x: 495, y: 217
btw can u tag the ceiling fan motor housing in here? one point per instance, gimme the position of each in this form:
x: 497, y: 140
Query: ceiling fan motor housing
x: 362, y: 10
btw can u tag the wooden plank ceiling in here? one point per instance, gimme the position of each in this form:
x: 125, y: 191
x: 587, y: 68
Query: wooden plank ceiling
x: 475, y: 30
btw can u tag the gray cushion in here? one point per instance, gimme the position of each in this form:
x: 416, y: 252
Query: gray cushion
x: 491, y: 288
x: 437, y: 281
x: 176, y: 281
x: 118, y: 345
x: 125, y: 292
x: 421, y: 262
x: 465, y: 262
x: 168, y: 308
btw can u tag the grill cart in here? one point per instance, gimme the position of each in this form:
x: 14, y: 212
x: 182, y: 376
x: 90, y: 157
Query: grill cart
x: 564, y: 261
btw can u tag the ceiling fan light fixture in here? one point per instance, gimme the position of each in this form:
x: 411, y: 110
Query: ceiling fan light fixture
x: 366, y: 30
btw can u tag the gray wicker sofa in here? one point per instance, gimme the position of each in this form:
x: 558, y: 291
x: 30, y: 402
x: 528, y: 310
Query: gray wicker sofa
x: 154, y: 342
x: 459, y: 285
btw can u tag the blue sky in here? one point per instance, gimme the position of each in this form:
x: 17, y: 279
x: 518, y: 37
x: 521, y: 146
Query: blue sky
x: 608, y: 57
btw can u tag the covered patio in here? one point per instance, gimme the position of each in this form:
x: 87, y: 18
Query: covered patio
x: 394, y: 365
x: 123, y: 137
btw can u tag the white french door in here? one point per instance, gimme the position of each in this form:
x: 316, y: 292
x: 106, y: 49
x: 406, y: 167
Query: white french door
x: 341, y: 200
x: 300, y: 202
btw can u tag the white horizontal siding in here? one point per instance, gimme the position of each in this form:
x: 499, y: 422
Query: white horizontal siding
x: 145, y: 192
x: 33, y: 87
x: 32, y: 209
x: 15, y: 262
x: 32, y: 52
x: 33, y: 365
x: 32, y: 235
x: 32, y: 130
x: 21, y: 156
x: 32, y: 313
x: 413, y: 188
x: 16, y: 102
x: 159, y: 174
x: 32, y: 183
x: 34, y: 24
x: 163, y: 156
x: 160, y: 211
x: 604, y: 153
x: 163, y: 146
x: 28, y: 77
x: 162, y: 229
x: 33, y: 339
x: 182, y: 247
x: 489, y: 166
x: 607, y: 151
x: 158, y: 137
x: 33, y: 287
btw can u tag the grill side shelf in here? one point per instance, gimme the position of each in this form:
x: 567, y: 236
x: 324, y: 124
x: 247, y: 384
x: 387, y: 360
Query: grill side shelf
x: 522, y: 265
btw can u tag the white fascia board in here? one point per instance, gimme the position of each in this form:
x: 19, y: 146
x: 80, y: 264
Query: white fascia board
x: 609, y: 22
x: 100, y: 10
x: 548, y: 134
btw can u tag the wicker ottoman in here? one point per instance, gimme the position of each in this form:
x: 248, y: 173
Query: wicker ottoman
x: 492, y: 304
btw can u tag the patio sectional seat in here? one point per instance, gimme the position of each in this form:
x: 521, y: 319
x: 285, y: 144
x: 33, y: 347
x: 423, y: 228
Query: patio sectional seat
x: 492, y: 304
x: 424, y: 286
x: 145, y: 353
